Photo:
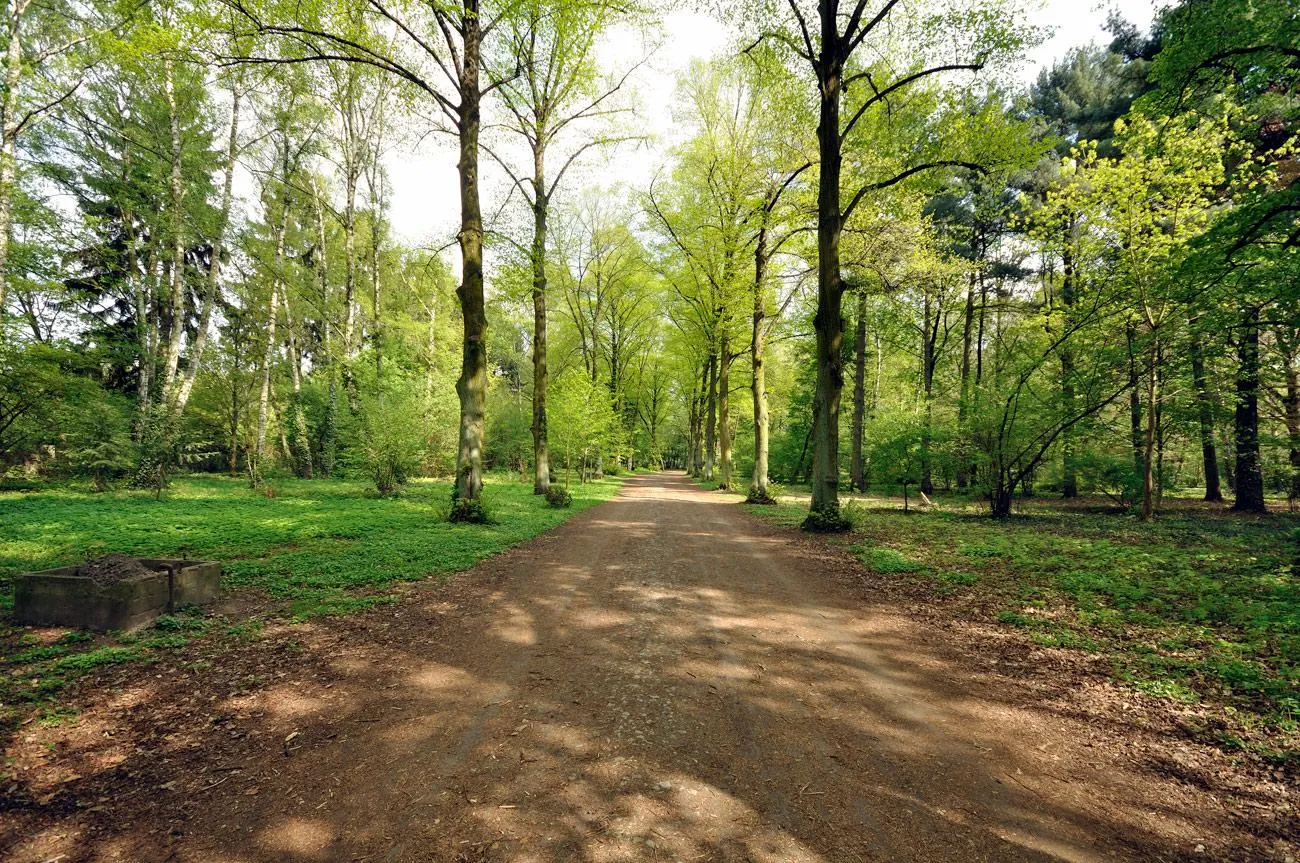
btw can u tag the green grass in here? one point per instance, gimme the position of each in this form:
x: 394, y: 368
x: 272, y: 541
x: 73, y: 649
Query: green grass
x: 1199, y: 605
x: 320, y: 547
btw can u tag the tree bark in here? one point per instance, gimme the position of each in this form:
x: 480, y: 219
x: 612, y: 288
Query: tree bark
x: 350, y: 174
x: 1069, y: 476
x: 268, y: 357
x: 828, y: 321
x: 1291, y: 414
x: 329, y: 429
x: 376, y: 238
x: 1205, y: 419
x: 541, y: 207
x: 212, y: 289
x: 711, y: 421
x: 1149, y: 436
x: 857, y: 468
x: 471, y: 387
x: 758, y: 367
x: 929, y: 347
x: 724, y: 413
x: 176, y: 202
x: 1250, y: 477
x: 1134, y: 403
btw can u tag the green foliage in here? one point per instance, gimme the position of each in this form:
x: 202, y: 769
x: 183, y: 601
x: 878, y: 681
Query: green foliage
x: 322, y: 547
x: 469, y: 511
x: 392, y: 439
x: 1115, y: 476
x: 886, y: 560
x: 583, y: 427
x: 102, y: 449
x: 559, y: 497
x: 826, y: 519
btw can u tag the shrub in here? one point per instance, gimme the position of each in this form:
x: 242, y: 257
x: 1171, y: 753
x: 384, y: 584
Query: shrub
x: 467, y: 510
x: 392, y: 445
x: 559, y: 497
x: 1113, y: 475
x: 759, y: 496
x: 826, y: 519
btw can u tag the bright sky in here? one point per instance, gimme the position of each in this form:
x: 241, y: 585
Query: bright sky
x: 425, y: 206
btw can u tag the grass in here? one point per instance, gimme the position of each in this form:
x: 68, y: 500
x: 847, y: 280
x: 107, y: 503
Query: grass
x: 320, y: 547
x: 1200, y: 605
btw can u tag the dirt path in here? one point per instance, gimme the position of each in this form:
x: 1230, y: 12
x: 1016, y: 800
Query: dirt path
x: 663, y: 678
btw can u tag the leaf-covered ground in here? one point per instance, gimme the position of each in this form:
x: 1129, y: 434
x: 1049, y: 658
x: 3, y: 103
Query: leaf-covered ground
x: 1200, y: 607
x: 317, y: 548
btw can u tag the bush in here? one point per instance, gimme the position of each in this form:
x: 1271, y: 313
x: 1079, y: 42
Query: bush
x: 467, y: 510
x: 765, y: 498
x: 826, y: 519
x: 1112, y: 475
x: 392, y: 446
x: 102, y: 449
x: 559, y: 497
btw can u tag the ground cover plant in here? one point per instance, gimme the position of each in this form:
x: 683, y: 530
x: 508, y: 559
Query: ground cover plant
x: 1199, y: 607
x: 320, y: 547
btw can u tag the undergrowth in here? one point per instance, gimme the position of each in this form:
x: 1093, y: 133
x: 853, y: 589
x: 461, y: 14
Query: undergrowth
x: 317, y: 548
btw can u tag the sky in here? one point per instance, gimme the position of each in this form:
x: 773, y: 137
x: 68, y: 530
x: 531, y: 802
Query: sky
x: 425, y: 203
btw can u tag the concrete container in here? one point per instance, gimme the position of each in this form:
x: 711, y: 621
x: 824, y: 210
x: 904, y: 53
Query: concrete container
x: 64, y: 597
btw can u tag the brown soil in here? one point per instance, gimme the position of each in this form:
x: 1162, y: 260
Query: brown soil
x: 112, y: 568
x: 662, y: 678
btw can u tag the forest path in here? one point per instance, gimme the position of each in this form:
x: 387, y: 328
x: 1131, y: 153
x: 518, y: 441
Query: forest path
x: 662, y: 678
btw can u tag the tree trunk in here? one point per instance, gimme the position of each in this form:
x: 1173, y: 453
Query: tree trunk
x: 929, y: 341
x: 264, y: 397
x: 828, y: 321
x: 1069, y: 477
x: 350, y: 173
x: 176, y: 201
x: 296, y: 418
x: 963, y: 394
x: 1149, y: 436
x: 471, y: 387
x: 9, y: 129
x: 541, y: 206
x: 711, y: 421
x: 1250, y: 477
x: 1000, y: 498
x: 329, y: 425
x: 857, y: 469
x: 724, y: 412
x: 376, y: 227
x: 212, y: 290
x: 1205, y: 418
x: 1291, y: 413
x: 268, y: 357
x: 146, y: 307
x: 1134, y: 403
x: 758, y: 367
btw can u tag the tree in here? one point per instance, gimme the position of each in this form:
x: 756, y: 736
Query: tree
x: 439, y: 51
x: 553, y: 91
x: 974, y: 33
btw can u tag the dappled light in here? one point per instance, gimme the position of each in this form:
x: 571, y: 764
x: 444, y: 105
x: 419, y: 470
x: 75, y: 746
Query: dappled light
x: 742, y: 706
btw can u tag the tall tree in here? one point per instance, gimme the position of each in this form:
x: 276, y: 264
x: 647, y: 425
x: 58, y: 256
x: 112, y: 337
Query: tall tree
x: 437, y: 49
x: 828, y: 39
x: 552, y: 47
